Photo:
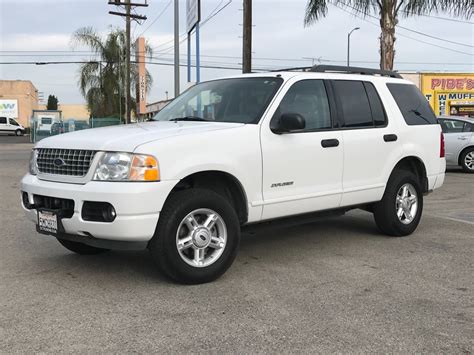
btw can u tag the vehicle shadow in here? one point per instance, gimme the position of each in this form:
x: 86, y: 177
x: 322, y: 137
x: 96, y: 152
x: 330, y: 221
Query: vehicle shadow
x: 456, y: 170
x: 328, y: 233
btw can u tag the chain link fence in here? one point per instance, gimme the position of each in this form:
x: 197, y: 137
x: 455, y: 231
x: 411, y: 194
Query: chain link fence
x: 47, y: 125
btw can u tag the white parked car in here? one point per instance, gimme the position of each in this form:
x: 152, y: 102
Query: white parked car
x: 11, y: 126
x: 237, y: 151
x: 459, y: 138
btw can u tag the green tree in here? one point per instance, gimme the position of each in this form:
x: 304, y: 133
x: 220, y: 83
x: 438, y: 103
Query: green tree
x: 52, y: 103
x: 102, y: 81
x: 389, y: 12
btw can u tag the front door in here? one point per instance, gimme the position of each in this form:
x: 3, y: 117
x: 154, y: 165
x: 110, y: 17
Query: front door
x: 302, y: 171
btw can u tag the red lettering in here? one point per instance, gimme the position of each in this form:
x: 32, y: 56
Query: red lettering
x: 435, y: 83
x: 469, y: 84
x: 460, y: 84
x: 450, y: 84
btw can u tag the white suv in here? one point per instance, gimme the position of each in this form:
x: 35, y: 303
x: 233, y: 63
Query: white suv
x: 237, y: 151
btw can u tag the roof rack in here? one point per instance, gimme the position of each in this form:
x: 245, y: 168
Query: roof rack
x: 344, y: 69
x: 354, y: 70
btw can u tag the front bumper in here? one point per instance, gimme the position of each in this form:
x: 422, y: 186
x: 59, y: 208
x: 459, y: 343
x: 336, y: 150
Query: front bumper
x: 137, y: 204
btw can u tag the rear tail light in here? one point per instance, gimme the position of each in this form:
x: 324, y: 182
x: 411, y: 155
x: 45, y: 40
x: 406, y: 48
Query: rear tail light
x: 441, y: 146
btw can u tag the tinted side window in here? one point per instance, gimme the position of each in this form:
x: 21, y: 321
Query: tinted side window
x: 378, y: 112
x: 414, y: 107
x: 309, y: 99
x: 468, y: 127
x: 3, y: 120
x: 354, y: 103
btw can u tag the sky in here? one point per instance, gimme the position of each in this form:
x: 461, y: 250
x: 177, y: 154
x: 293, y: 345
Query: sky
x: 280, y: 40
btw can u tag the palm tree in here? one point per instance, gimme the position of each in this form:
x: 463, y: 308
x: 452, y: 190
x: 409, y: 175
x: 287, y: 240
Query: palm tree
x: 102, y: 82
x: 388, y: 11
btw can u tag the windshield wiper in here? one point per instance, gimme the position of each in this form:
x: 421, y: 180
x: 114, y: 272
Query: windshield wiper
x: 189, y: 118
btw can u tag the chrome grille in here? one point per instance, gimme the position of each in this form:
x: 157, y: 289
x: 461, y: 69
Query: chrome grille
x: 76, y: 162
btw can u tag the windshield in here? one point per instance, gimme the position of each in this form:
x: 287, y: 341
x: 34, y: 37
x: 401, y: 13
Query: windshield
x: 240, y: 100
x: 13, y: 122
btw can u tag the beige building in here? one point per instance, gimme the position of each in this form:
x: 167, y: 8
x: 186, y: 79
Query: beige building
x: 21, y: 96
x: 76, y: 111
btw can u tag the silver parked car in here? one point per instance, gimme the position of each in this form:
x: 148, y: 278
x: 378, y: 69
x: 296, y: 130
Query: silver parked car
x: 459, y: 141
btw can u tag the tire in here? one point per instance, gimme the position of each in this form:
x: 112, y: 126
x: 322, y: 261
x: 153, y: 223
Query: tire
x: 80, y: 248
x: 386, y: 211
x: 175, y: 226
x: 467, y: 160
x: 18, y: 132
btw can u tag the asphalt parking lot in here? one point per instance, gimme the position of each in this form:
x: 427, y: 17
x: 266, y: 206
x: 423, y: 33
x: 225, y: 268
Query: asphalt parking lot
x: 335, y: 285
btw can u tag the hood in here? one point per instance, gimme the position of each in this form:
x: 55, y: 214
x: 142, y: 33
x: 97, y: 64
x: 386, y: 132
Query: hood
x: 127, y: 138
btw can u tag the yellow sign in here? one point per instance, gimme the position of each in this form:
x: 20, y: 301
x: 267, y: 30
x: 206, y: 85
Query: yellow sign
x: 449, y: 94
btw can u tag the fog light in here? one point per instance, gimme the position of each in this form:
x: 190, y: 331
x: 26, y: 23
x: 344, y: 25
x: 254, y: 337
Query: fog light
x: 108, y: 213
x: 26, y: 201
x: 98, y: 212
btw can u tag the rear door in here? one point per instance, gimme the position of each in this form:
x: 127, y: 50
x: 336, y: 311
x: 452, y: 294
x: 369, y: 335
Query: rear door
x: 371, y: 143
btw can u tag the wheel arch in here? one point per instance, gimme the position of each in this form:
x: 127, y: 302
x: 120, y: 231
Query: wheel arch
x: 221, y: 182
x: 416, y: 165
x: 462, y: 152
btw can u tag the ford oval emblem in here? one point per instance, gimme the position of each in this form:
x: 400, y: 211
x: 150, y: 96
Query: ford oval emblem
x: 59, y: 162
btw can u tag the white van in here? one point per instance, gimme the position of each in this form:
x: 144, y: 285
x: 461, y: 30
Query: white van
x: 11, y: 126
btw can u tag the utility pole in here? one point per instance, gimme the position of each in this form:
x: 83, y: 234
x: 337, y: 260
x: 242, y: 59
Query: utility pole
x: 247, y: 37
x: 128, y: 16
x: 176, y: 48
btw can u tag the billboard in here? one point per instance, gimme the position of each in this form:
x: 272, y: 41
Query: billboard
x: 193, y: 14
x: 9, y: 108
x: 449, y: 94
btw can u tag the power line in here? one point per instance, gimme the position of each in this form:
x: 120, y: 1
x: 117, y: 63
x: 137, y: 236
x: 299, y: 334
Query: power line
x: 402, y: 35
x: 409, y: 29
x: 183, y: 36
x: 239, y: 58
x: 441, y: 18
x: 156, y: 18
x: 85, y: 62
x: 215, y: 14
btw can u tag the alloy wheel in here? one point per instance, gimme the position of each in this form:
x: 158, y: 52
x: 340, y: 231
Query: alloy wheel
x: 406, y: 204
x: 201, y: 237
x: 469, y: 160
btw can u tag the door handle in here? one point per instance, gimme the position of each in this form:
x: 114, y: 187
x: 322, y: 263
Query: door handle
x: 390, y: 137
x: 328, y: 143
x: 462, y: 138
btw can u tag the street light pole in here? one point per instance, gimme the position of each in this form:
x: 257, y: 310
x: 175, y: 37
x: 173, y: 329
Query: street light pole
x: 349, y: 44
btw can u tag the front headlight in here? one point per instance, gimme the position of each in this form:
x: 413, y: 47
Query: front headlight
x: 33, y: 162
x: 127, y: 167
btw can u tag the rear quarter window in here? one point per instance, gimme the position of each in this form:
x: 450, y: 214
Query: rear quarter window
x: 413, y: 105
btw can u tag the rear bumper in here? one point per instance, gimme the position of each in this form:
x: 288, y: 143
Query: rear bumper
x: 435, y: 181
x: 439, y: 180
x: 137, y: 206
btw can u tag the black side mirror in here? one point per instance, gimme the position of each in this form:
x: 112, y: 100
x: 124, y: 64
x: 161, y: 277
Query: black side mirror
x: 289, y: 122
